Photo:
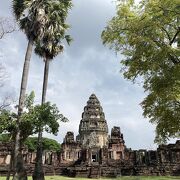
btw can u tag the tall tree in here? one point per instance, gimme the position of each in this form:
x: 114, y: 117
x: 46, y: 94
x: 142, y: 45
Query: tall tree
x: 31, y: 18
x: 46, y: 116
x: 48, y: 48
x: 147, y: 35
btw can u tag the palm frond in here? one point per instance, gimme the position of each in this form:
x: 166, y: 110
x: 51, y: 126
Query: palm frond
x: 18, y: 7
x: 68, y: 39
x: 55, y: 29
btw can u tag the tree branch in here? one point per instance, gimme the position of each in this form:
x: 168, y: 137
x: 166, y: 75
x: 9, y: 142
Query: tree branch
x: 166, y: 33
x: 164, y: 10
x: 6, y: 103
x: 6, y: 26
x: 174, y: 60
x: 174, y: 38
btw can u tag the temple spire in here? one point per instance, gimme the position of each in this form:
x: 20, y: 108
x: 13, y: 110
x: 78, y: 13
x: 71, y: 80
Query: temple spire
x: 93, y: 122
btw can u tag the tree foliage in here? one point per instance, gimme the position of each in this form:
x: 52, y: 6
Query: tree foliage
x: 31, y: 17
x: 46, y: 116
x: 31, y: 143
x: 4, y: 137
x: 148, y: 37
x: 35, y: 116
x: 55, y: 30
x: 47, y: 144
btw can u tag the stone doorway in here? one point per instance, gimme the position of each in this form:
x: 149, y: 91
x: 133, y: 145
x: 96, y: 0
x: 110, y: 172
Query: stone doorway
x: 94, y: 158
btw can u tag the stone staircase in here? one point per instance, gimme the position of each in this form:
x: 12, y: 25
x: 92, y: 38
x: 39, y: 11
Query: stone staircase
x: 95, y: 172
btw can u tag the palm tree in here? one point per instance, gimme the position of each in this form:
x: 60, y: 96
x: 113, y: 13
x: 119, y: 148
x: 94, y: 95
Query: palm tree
x: 31, y: 18
x: 48, y: 48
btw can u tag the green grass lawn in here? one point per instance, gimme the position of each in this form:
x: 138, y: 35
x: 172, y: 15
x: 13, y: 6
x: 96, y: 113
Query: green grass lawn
x: 120, y: 178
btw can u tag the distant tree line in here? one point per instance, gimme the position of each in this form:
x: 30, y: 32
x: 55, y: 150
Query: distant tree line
x: 31, y: 143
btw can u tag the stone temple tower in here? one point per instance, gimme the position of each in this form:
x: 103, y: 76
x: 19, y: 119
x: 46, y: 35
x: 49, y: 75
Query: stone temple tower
x: 93, y: 129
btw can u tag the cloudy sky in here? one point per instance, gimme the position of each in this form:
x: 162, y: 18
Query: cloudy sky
x: 84, y: 68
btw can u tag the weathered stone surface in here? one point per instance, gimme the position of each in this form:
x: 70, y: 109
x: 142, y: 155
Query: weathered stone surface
x: 93, y: 129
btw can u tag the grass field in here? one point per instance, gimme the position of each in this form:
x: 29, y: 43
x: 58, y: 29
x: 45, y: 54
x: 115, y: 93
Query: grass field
x: 120, y: 178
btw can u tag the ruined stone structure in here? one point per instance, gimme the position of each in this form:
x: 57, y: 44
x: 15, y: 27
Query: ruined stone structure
x: 93, y: 143
x: 94, y: 153
x: 50, y: 159
x: 93, y: 129
x: 5, y: 153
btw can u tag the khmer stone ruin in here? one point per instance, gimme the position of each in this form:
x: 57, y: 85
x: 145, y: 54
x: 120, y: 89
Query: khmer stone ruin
x: 94, y: 153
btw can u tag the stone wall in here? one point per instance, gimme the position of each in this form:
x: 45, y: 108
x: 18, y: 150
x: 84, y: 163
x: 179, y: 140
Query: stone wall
x: 5, y: 153
x: 49, y: 157
x: 164, y: 161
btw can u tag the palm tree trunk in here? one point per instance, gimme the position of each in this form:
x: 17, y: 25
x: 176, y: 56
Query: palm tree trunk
x: 38, y: 171
x: 45, y: 82
x: 19, y: 171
